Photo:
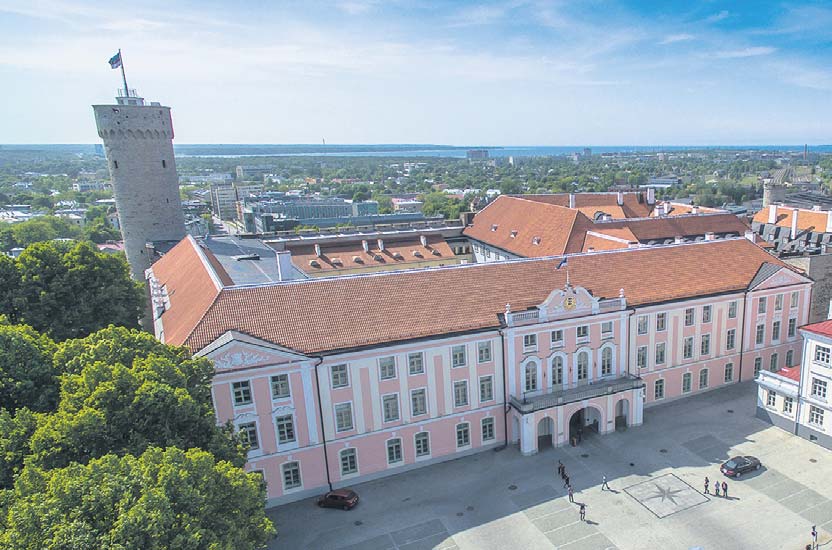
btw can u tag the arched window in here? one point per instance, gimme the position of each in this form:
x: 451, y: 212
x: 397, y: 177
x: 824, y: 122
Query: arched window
x: 557, y: 371
x: 531, y: 376
x: 583, y: 365
x: 606, y: 362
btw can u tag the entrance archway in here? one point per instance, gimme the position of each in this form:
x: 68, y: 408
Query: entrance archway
x: 584, y: 422
x: 622, y: 414
x: 545, y: 433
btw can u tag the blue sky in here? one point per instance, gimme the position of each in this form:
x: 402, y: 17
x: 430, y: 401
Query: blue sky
x: 422, y: 71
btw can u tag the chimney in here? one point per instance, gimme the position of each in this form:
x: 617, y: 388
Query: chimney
x: 816, y: 208
x: 318, y: 250
x: 772, y: 213
x: 794, y: 223
x: 380, y: 243
x: 633, y: 245
x: 423, y: 240
x: 829, y: 315
x: 709, y: 236
x: 651, y: 195
x: 829, y: 221
x: 694, y: 210
x: 749, y: 235
x: 592, y: 249
x: 679, y: 239
x: 620, y: 198
x: 285, y: 269
x: 365, y: 245
x: 571, y: 200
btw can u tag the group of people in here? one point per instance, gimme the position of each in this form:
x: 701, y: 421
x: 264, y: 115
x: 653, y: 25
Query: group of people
x: 717, y: 486
x: 568, y: 486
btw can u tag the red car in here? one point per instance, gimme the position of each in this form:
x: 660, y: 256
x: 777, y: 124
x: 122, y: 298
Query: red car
x: 339, y: 498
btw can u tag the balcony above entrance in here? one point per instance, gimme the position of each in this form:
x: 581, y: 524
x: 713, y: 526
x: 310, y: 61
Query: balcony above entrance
x: 543, y: 399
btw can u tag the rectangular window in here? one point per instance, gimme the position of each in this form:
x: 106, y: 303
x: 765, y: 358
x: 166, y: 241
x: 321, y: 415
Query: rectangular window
x: 418, y: 402
x: 641, y: 357
x: 285, y: 429
x: 775, y: 331
x: 463, y: 435
x: 658, y: 390
x: 731, y: 339
x: 687, y: 352
x: 606, y: 329
x: 815, y: 415
x: 394, y: 451
x: 484, y: 352
x: 242, y: 393
x: 582, y: 332
x: 416, y: 363
x: 642, y: 324
x: 486, y: 388
x: 793, y: 300
x: 729, y: 373
x: 761, y: 305
x: 758, y: 366
x: 248, y: 434
x: 458, y: 356
x: 343, y: 417
x: 529, y: 342
x: 706, y: 313
x: 387, y: 368
x: 690, y: 316
x: 792, y: 328
x: 280, y: 386
x: 422, y: 442
x: 778, y: 302
x: 705, y: 344
x: 291, y: 475
x: 686, y: 382
x: 487, y: 429
x: 660, y: 353
x: 818, y: 388
x: 761, y: 334
x: 661, y: 322
x: 340, y: 377
x: 789, y: 358
x: 822, y: 354
x: 349, y: 461
x: 557, y: 338
x: 788, y: 404
x: 771, y: 398
x: 773, y: 364
x: 703, y: 379
x: 732, y: 310
x: 390, y: 407
x: 461, y: 393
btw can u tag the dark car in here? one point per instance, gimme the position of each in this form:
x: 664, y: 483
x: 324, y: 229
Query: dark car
x: 740, y: 465
x: 339, y: 498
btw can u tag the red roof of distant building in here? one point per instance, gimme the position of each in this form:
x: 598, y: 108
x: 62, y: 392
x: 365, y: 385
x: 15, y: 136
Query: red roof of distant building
x: 823, y: 328
x: 792, y: 373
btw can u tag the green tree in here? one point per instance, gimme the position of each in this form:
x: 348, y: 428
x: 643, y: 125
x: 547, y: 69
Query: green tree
x: 162, y: 499
x: 27, y: 375
x: 15, y: 432
x: 9, y: 288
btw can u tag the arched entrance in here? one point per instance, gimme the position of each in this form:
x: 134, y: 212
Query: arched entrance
x: 622, y: 414
x: 584, y: 422
x: 545, y: 431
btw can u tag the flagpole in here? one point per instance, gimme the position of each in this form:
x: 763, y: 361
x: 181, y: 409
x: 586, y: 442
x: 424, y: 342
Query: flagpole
x: 123, y: 76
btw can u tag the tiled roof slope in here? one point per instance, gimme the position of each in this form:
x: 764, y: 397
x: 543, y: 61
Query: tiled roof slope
x: 824, y: 328
x: 682, y: 226
x: 322, y: 315
x: 634, y: 205
x: 807, y: 220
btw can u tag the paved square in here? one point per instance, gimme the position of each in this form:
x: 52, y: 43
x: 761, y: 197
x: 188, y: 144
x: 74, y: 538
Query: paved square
x: 666, y: 495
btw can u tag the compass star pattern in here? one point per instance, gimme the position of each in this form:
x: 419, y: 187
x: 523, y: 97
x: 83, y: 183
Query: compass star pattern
x: 665, y: 495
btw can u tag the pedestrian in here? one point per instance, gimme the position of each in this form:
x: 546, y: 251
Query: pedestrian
x: 583, y: 511
x: 566, y: 482
x: 561, y: 469
x: 725, y: 489
x: 707, y: 485
x: 571, y: 494
x: 604, y: 485
x: 716, y: 488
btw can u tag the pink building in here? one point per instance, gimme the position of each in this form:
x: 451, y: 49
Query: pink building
x: 339, y: 380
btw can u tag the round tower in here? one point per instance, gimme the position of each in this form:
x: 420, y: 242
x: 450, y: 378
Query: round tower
x: 138, y: 143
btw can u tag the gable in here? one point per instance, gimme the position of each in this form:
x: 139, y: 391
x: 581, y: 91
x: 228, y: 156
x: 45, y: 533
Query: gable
x: 235, y: 350
x: 569, y: 301
x: 774, y: 276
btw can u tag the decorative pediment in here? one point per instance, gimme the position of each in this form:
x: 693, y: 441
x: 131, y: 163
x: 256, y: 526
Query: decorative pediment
x: 568, y: 301
x: 236, y: 350
x: 774, y: 277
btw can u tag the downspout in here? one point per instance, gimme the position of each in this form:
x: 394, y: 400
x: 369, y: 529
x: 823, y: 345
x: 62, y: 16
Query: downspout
x: 321, y: 416
x: 742, y: 332
x: 800, y: 387
x: 505, y: 390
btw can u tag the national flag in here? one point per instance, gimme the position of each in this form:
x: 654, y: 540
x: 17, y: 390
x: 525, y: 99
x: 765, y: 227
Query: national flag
x: 562, y: 263
x: 115, y: 61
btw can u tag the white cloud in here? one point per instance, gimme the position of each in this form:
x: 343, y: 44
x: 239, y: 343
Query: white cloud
x: 752, y: 51
x: 673, y: 38
x: 718, y: 17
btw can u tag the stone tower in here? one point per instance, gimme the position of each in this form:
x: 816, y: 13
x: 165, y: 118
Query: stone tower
x: 138, y: 143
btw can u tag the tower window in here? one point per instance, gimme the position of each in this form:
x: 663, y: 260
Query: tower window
x: 115, y: 165
x: 163, y: 164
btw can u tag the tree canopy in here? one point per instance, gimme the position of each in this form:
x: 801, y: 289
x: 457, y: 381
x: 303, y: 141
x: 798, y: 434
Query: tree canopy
x: 27, y: 374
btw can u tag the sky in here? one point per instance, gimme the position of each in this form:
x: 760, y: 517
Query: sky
x: 513, y: 72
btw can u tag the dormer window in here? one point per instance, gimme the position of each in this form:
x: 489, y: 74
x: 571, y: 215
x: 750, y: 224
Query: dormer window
x: 417, y: 253
x: 357, y: 259
x: 536, y: 240
x: 337, y: 261
x: 397, y: 255
x: 314, y: 263
x: 494, y: 227
x: 513, y: 233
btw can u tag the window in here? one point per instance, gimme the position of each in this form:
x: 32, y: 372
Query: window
x: 387, y: 368
x: 606, y: 329
x: 792, y: 328
x: 557, y: 371
x: 818, y: 388
x: 458, y: 356
x: 487, y: 429
x: 463, y: 435
x: 394, y: 451
x: 606, y: 362
x: 658, y: 390
x: 486, y: 388
x: 775, y: 330
x: 422, y: 444
x: 732, y: 310
x: 291, y: 475
x: 758, y: 365
x: 778, y: 302
x: 557, y: 338
x: 706, y: 313
x: 729, y: 373
x: 484, y: 352
x: 248, y: 433
x: 731, y: 339
x: 582, y: 332
x: 660, y: 353
x: 416, y: 363
x: 285, y: 429
x: 280, y: 386
x: 761, y: 334
x: 531, y: 376
x: 349, y: 461
x: 661, y: 322
x: 815, y: 415
x: 115, y: 164
x: 242, y: 393
x: 418, y: 402
x: 788, y: 404
x: 690, y: 317
x: 686, y: 382
x: 793, y: 300
x: 705, y: 344
x: 822, y: 354
x: 703, y: 379
x: 773, y: 362
x: 641, y: 357
x: 761, y: 305
x: 583, y: 365
x: 789, y: 358
x: 340, y: 378
x: 529, y: 342
x: 343, y: 417
x: 687, y: 352
x: 642, y: 324
x: 460, y: 393
x: 771, y: 398
x: 390, y: 407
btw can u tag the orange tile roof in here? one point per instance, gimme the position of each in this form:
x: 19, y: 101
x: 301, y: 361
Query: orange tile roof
x: 807, y: 220
x: 681, y: 226
x: 792, y: 373
x: 337, y: 313
x: 679, y: 209
x: 634, y: 204
x: 824, y: 328
x: 601, y: 242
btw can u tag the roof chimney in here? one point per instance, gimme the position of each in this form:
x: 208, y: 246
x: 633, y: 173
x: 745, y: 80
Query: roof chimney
x: 381, y: 244
x: 423, y: 240
x: 285, y: 269
x: 710, y: 236
x: 750, y: 235
x: 794, y: 223
x: 829, y: 315
x: 590, y: 249
x: 571, y: 200
x: 816, y: 208
x: 772, y: 213
x: 651, y: 195
x: 829, y: 221
x: 633, y: 245
x: 318, y: 250
x: 365, y: 245
x: 694, y: 210
x: 620, y: 198
x: 678, y: 239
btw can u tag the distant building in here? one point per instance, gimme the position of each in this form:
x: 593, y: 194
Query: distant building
x: 253, y: 173
x: 87, y: 186
x: 407, y: 205
x: 477, y: 155
x: 662, y: 182
x: 224, y: 198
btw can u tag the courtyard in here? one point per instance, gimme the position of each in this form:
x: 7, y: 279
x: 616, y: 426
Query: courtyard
x: 500, y: 499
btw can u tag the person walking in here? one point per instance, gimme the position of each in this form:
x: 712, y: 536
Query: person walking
x: 560, y: 468
x: 716, y: 488
x: 583, y: 511
x: 571, y: 494
x: 725, y: 489
x: 707, y: 485
x: 566, y: 482
x: 604, y: 486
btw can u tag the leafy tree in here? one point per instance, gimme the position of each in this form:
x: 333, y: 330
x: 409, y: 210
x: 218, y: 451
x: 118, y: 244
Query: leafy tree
x: 162, y: 499
x: 441, y: 203
x: 15, y: 432
x: 9, y: 287
x: 27, y: 375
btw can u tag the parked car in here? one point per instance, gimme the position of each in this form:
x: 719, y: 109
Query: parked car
x: 339, y: 498
x: 740, y: 465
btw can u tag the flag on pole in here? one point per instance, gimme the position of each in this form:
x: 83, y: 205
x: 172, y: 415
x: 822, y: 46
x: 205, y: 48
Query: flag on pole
x: 115, y: 61
x: 563, y: 263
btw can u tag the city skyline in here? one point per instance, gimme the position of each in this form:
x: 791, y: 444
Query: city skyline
x: 513, y: 72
